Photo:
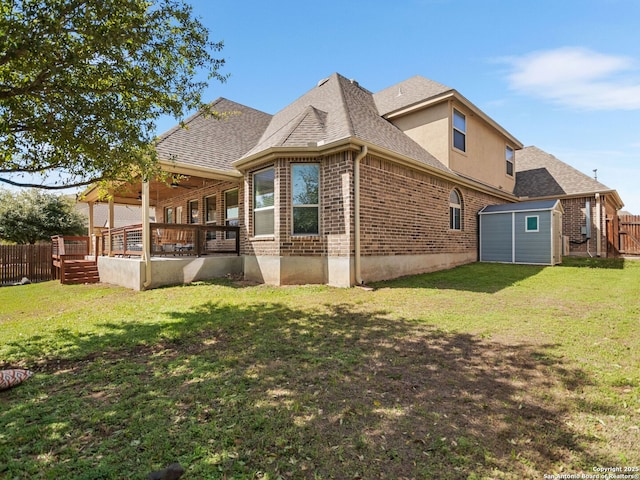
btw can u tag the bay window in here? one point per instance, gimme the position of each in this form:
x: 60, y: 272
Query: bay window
x: 305, y: 179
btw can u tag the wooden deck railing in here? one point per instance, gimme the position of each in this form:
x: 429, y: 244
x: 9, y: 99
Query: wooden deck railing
x: 66, y: 250
x: 170, y: 239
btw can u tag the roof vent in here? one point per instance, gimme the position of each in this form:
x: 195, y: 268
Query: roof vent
x: 353, y: 82
x: 322, y: 82
x: 399, y: 91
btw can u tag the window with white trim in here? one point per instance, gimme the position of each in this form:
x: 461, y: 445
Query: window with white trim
x: 459, y: 131
x: 263, y: 202
x: 455, y: 210
x: 509, y: 155
x: 532, y: 223
x: 231, y: 211
x: 168, y: 215
x: 305, y: 198
x: 178, y: 214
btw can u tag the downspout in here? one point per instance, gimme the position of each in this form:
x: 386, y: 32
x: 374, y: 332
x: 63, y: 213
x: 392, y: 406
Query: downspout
x: 146, y: 235
x: 356, y: 207
x: 598, y: 227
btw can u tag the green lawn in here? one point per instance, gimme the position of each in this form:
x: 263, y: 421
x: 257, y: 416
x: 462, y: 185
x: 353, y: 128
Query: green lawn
x: 484, y: 371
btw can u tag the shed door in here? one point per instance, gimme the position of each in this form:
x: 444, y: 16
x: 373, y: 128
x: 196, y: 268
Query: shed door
x: 557, y: 237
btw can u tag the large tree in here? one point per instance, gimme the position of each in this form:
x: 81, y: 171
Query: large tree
x: 83, y: 82
x: 32, y: 215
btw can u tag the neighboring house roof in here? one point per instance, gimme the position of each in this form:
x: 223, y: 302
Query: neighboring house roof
x: 214, y: 143
x: 409, y: 92
x: 337, y: 109
x: 540, y: 205
x: 123, y: 214
x: 540, y: 174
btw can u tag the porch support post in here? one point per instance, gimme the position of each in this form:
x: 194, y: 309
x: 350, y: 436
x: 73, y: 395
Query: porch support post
x: 111, y: 225
x: 146, y: 234
x: 92, y: 246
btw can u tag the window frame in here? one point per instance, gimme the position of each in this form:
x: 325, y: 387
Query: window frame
x: 179, y: 215
x: 510, y: 160
x: 169, y: 215
x: 526, y: 223
x: 271, y: 208
x: 453, y: 208
x: 231, y: 235
x: 309, y: 206
x: 207, y: 210
x: 456, y: 129
x: 190, y: 210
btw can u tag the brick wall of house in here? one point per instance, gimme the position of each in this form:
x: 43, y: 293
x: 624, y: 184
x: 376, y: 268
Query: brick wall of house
x: 403, y: 211
x: 406, y: 212
x: 574, y: 219
x: 182, y: 197
x: 336, y: 210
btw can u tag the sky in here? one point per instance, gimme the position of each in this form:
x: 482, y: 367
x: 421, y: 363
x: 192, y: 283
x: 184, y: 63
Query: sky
x: 561, y: 75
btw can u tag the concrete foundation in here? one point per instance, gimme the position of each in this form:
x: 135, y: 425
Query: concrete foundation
x: 379, y: 268
x: 130, y: 272
x: 334, y: 271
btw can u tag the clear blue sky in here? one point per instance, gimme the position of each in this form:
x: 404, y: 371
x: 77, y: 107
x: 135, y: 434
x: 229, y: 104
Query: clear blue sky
x: 563, y: 75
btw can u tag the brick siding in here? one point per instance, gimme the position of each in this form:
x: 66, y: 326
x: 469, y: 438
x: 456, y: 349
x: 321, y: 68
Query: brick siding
x: 574, y: 218
x: 403, y: 211
x: 406, y: 212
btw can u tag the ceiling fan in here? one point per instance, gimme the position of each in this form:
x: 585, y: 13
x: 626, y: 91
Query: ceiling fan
x: 175, y: 182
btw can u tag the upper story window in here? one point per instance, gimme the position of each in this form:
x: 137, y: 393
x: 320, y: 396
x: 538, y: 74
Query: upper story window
x: 263, y: 201
x: 455, y: 210
x: 459, y: 131
x: 509, y: 155
x: 231, y: 211
x: 194, y: 212
x: 211, y: 209
x: 305, y: 180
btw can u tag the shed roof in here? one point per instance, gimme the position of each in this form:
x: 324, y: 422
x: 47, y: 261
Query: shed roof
x: 540, y: 205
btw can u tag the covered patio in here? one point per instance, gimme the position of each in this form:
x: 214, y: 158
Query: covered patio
x: 195, y: 238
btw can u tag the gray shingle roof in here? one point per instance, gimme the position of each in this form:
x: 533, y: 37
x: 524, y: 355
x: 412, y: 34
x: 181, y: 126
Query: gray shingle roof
x: 409, y: 92
x: 540, y: 174
x: 214, y: 143
x: 336, y: 109
x: 539, y: 205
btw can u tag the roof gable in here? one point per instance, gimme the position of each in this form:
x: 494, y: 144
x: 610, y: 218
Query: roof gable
x: 409, y: 92
x: 540, y: 174
x: 534, y: 206
x: 337, y: 109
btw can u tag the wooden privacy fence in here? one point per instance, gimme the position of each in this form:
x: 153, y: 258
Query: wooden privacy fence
x: 19, y: 261
x: 630, y: 234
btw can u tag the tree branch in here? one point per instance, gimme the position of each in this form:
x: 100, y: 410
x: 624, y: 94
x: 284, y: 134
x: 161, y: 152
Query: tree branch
x: 49, y: 187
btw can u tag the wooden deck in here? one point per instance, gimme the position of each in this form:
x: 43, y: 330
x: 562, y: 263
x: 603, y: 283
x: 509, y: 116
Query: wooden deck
x: 70, y: 262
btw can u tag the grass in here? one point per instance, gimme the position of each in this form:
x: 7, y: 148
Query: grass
x: 484, y: 371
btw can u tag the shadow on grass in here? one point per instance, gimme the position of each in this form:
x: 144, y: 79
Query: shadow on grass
x: 474, y: 277
x: 267, y: 391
